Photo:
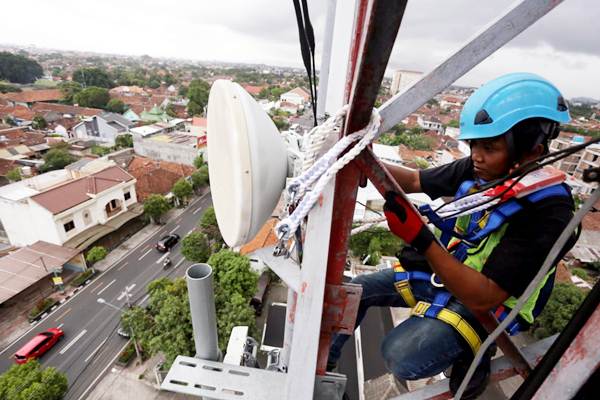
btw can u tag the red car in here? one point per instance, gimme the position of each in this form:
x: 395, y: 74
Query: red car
x: 36, y: 347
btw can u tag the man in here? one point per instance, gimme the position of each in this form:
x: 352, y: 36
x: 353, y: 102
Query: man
x: 507, y: 122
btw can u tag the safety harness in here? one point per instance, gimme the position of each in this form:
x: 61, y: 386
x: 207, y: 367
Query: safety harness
x: 459, y: 235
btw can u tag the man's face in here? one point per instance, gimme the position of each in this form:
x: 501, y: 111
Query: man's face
x: 490, y: 157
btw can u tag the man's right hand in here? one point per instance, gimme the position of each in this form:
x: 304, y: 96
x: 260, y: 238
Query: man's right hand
x: 406, y: 223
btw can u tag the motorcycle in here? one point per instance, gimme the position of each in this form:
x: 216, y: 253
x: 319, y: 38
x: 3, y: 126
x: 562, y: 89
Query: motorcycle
x: 166, y: 263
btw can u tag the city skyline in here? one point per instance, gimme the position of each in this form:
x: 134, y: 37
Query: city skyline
x: 429, y: 33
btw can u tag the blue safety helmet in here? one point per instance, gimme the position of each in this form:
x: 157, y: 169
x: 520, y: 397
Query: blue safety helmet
x: 498, y: 105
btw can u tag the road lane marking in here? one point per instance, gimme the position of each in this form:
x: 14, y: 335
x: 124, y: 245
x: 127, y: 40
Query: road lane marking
x: 72, y: 342
x: 106, y: 287
x: 98, y: 286
x: 96, y: 350
x: 110, y: 363
x: 128, y: 289
x: 163, y: 257
x: 196, y: 210
x: 179, y: 263
x: 174, y: 229
x: 60, y: 326
x: 178, y: 220
x: 191, y: 230
x: 63, y: 314
x: 123, y: 266
x: 146, y: 297
x: 144, y: 255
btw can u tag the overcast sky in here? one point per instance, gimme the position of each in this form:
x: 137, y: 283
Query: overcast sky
x: 564, y: 46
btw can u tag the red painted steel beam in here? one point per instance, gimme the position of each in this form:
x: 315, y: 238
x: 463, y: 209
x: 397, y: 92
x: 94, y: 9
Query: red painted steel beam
x: 371, y: 49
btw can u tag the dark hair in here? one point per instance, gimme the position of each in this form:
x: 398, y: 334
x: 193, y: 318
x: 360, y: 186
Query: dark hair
x: 524, y: 136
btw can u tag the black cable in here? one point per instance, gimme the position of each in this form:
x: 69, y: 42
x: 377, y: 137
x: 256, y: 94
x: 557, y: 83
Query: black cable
x: 519, y: 173
x: 307, y: 48
x: 369, y: 208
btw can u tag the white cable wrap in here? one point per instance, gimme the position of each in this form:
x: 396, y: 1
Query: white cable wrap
x: 324, y: 169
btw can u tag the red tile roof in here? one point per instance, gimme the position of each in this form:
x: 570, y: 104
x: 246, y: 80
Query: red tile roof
x: 155, y: 176
x: 265, y: 237
x: 66, y: 109
x: 20, y: 112
x: 72, y: 193
x: 17, y: 136
x: 31, y: 96
x: 6, y: 165
x: 253, y: 90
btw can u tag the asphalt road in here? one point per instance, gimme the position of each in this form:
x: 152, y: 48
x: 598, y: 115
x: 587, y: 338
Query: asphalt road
x: 91, y: 344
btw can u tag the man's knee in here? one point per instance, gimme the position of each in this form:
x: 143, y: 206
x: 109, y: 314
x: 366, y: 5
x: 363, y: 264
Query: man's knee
x: 401, y: 361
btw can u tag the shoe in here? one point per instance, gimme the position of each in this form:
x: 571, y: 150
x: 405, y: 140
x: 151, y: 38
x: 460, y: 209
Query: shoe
x: 331, y: 366
x: 480, y: 378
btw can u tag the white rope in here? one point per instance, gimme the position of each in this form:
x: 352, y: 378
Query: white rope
x: 366, y: 225
x: 324, y: 170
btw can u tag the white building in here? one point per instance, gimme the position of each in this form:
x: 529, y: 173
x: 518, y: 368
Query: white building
x: 578, y: 162
x: 71, y: 207
x: 103, y: 128
x: 297, y: 96
x: 403, y: 79
x: 430, y: 123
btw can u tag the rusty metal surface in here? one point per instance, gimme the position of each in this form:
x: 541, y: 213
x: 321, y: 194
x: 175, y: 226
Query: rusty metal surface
x: 371, y: 61
x: 340, y: 308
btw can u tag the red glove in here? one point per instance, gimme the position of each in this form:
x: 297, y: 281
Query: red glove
x: 406, y: 223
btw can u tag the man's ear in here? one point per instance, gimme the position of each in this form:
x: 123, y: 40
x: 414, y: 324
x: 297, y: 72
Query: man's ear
x: 536, y: 152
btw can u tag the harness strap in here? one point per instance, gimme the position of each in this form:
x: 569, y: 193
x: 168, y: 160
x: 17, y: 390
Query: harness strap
x: 402, y: 284
x: 453, y: 319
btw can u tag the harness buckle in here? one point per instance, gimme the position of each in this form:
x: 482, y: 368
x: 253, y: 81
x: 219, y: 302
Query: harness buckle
x: 434, y: 283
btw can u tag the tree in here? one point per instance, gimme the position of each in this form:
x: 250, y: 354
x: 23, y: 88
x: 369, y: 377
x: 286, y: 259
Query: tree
x: 182, y: 189
x: 198, y: 95
x: 14, y: 174
x: 386, y: 243
x: 95, y: 97
x: 123, y: 141
x: 453, y: 124
x: 169, y: 79
x: 18, y: 68
x: 69, y: 89
x: 170, y: 110
x: 39, y: 122
x: 199, y: 178
x: 562, y: 304
x: 154, y: 82
x: 210, y: 227
x: 182, y: 91
x: 56, y: 158
x: 165, y: 325
x: 155, y: 206
x: 96, y: 254
x: 195, y: 247
x: 92, y: 77
x: 6, y: 88
x: 199, y: 161
x: 100, y: 151
x: 194, y: 109
x: 116, y: 106
x: 235, y: 284
x: 30, y: 382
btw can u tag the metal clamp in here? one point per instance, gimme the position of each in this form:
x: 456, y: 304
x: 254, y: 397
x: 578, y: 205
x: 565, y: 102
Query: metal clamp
x: 434, y: 282
x: 340, y: 308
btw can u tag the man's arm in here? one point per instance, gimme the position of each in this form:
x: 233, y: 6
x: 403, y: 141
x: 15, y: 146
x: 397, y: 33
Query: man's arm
x: 476, y: 291
x: 407, y: 178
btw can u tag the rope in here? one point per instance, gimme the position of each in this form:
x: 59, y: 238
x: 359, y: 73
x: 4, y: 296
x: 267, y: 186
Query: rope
x: 325, y: 169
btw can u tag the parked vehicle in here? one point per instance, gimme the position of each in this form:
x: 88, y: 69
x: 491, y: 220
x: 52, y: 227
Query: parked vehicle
x: 166, y: 243
x: 40, y: 344
x: 121, y: 331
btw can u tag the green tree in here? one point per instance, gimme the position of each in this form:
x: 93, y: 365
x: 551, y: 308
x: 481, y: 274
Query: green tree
x: 562, y: 304
x: 14, y: 174
x: 100, y: 151
x: 386, y: 243
x: 123, y: 141
x: 200, y: 178
x: 39, y: 122
x: 96, y: 254
x: 155, y: 206
x: 198, y: 95
x: 194, y: 109
x: 210, y: 227
x: 56, y: 158
x: 195, y: 247
x: 421, y: 163
x: 235, y: 284
x: 7, y: 88
x: 581, y: 273
x: 165, y: 325
x: 154, y: 82
x: 19, y: 68
x: 116, y: 106
x: 69, y: 89
x: 92, y: 77
x: 182, y: 189
x: 182, y: 91
x: 281, y: 123
x: 199, y: 161
x: 30, y: 381
x: 169, y: 80
x: 453, y: 124
x: 95, y: 97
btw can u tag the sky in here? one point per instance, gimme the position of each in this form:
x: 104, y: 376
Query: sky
x: 564, y: 46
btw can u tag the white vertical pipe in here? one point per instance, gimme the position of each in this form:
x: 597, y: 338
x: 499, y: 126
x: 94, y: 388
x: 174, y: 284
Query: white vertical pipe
x: 199, y: 280
x: 326, y: 59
